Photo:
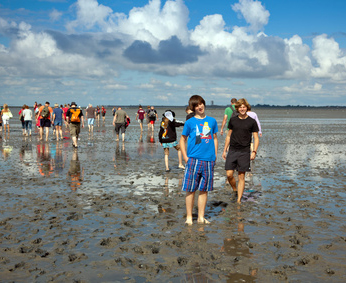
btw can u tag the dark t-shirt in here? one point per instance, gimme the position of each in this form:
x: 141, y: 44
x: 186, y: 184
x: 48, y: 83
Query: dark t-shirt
x: 90, y: 112
x: 242, y: 130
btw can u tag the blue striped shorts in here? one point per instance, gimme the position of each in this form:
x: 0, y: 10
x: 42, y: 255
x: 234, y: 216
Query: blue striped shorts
x: 199, y: 175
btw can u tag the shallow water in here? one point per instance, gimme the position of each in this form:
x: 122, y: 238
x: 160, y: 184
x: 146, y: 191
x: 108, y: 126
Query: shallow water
x: 109, y: 212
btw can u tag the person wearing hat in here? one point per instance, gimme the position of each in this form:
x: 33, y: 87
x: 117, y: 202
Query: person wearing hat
x: 75, y: 117
x: 168, y: 136
x: 57, y: 120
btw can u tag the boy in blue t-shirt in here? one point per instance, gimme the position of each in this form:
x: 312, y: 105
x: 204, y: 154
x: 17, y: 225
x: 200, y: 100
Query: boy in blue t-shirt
x: 200, y: 157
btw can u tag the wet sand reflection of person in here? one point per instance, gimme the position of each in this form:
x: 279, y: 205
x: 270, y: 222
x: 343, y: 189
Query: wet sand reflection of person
x: 25, y: 154
x: 44, y: 160
x: 140, y: 148
x: 6, y: 150
x: 75, y: 174
x: 238, y: 246
x: 59, y: 160
x: 121, y: 158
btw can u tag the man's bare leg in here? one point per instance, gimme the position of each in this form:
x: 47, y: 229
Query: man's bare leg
x: 241, y: 185
x: 231, y: 179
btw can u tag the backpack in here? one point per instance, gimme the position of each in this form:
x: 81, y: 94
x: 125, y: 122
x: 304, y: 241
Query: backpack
x: 234, y: 113
x: 75, y: 115
x: 45, y: 112
x: 127, y: 122
x: 152, y: 113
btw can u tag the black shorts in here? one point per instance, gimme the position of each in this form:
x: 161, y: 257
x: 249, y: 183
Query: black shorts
x: 120, y: 126
x: 45, y: 123
x: 237, y: 160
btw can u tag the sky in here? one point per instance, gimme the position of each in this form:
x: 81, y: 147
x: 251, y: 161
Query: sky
x: 116, y: 52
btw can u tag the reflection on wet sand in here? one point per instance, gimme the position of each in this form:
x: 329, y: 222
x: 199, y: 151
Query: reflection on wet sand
x: 238, y: 246
x: 75, y: 173
x: 6, y: 151
x: 58, y: 159
x: 121, y: 158
x: 44, y: 159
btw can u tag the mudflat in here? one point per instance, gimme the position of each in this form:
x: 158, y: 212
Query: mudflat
x: 108, y: 211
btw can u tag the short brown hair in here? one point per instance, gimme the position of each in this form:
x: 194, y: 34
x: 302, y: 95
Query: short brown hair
x: 195, y: 100
x: 240, y: 102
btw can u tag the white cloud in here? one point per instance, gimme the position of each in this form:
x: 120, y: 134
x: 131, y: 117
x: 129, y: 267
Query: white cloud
x: 330, y: 60
x: 161, y: 45
x: 55, y: 15
x: 115, y: 86
x: 146, y: 86
x: 253, y: 12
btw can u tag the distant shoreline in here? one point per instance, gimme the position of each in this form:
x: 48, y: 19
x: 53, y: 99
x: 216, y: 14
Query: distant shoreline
x: 223, y: 106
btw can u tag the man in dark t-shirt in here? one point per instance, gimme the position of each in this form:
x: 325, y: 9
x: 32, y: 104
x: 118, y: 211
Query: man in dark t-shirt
x: 237, y: 144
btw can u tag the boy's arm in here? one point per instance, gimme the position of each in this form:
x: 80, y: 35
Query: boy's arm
x: 182, y: 144
x: 227, y: 141
x: 216, y: 143
x: 255, y: 145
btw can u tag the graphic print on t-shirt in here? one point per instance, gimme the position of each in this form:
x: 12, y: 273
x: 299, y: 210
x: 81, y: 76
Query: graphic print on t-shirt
x: 205, y: 135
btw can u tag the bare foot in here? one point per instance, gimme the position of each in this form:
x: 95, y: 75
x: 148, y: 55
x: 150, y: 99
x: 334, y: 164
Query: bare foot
x: 181, y: 166
x: 204, y: 221
x: 189, y: 222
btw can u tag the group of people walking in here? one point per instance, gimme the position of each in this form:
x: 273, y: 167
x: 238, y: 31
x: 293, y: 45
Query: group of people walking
x: 198, y: 144
x: 199, y: 148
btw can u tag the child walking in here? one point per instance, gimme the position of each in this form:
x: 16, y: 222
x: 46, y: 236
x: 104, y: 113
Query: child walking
x: 200, y: 132
x: 168, y: 136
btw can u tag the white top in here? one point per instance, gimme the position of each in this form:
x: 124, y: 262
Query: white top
x: 27, y: 113
x: 253, y: 115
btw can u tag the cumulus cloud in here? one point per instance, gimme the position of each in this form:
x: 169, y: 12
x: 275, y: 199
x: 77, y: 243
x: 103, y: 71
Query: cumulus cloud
x: 168, y: 52
x: 253, y: 12
x: 155, y: 39
x: 55, y: 15
x: 330, y: 59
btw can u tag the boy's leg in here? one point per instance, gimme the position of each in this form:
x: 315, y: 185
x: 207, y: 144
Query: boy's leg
x: 202, y: 203
x: 189, y: 200
x: 166, y: 151
x: 241, y: 185
x: 231, y: 179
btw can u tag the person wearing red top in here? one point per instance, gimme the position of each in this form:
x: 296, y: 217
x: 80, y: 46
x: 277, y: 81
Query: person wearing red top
x: 65, y: 108
x: 22, y: 118
x: 103, y: 111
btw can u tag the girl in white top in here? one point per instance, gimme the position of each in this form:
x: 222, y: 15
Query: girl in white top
x: 6, y: 115
x: 27, y: 113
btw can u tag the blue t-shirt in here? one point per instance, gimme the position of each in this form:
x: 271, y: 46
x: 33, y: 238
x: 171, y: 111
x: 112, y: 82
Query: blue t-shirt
x: 200, y: 133
x: 58, y: 114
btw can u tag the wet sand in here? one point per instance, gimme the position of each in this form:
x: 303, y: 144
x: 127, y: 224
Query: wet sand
x: 108, y: 211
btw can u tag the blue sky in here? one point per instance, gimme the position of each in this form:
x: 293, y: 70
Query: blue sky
x: 162, y: 52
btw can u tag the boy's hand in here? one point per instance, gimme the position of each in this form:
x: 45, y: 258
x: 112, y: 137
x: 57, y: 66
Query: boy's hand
x: 224, y: 154
x: 253, y: 155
